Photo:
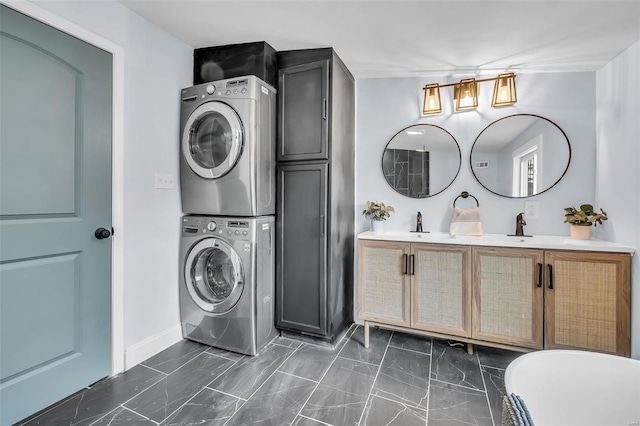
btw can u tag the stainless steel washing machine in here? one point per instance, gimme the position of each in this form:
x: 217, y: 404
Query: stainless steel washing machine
x: 228, y: 131
x: 227, y: 282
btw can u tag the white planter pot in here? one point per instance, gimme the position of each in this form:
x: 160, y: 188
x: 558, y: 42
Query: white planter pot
x: 580, y: 232
x: 377, y: 226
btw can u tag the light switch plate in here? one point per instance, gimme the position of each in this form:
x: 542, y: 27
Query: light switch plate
x: 163, y: 181
x: 532, y: 210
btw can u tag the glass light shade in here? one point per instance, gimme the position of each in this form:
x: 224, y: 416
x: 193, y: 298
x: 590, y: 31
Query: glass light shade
x: 431, y: 103
x: 504, y: 91
x: 465, y: 95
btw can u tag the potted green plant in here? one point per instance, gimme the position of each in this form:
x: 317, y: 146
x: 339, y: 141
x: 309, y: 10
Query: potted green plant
x: 580, y: 221
x: 377, y: 212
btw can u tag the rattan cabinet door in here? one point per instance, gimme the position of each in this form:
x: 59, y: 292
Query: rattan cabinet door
x: 507, y: 296
x: 383, y: 282
x: 587, y: 301
x: 440, y: 289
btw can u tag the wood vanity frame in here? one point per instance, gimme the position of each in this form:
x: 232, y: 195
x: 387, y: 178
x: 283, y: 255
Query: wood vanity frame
x: 554, y: 295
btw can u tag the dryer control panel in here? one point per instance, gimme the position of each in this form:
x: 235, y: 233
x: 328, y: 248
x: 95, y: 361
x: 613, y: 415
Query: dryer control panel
x: 248, y: 87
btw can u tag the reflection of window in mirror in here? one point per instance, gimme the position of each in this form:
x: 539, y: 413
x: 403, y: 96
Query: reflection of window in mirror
x: 527, y: 168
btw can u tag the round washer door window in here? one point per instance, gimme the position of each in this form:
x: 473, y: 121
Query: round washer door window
x: 214, y: 275
x: 212, y: 140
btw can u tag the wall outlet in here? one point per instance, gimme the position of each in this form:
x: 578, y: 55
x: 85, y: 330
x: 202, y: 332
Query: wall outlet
x: 163, y: 181
x: 532, y: 210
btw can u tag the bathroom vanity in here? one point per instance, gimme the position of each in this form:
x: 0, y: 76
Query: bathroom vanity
x: 523, y: 293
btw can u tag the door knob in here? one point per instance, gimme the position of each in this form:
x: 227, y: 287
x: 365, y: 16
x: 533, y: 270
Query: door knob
x: 102, y: 233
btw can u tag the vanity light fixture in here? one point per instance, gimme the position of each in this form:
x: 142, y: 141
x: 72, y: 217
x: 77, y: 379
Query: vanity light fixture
x: 466, y: 91
x: 431, y: 103
x: 465, y: 95
x: 504, y: 91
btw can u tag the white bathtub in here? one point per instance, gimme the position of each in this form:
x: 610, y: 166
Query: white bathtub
x: 563, y: 388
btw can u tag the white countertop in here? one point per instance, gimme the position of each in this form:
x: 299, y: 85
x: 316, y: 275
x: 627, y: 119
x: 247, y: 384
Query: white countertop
x: 549, y: 242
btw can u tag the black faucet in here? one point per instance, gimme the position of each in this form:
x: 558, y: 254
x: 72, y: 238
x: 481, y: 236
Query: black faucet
x: 419, y: 222
x: 520, y: 222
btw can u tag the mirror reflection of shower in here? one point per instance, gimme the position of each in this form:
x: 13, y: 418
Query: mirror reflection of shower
x: 421, y: 161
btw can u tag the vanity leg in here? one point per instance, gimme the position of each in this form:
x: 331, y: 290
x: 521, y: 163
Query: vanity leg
x: 470, y: 348
x: 366, y: 334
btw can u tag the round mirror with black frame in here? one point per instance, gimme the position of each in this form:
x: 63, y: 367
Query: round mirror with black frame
x: 520, y: 156
x: 421, y: 160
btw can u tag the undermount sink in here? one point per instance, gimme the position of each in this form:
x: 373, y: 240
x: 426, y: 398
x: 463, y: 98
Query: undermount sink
x: 498, y: 240
x: 486, y: 239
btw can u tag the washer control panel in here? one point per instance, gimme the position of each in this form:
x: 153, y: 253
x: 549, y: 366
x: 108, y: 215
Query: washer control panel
x: 235, y: 229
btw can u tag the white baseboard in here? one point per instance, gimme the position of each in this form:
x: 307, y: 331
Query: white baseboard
x: 150, y: 346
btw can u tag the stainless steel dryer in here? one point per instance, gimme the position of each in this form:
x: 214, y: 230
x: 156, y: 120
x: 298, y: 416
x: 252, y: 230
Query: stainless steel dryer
x: 227, y: 282
x: 228, y: 132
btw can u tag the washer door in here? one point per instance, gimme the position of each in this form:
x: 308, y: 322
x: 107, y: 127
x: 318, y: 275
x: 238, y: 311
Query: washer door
x: 212, y: 140
x: 214, y: 275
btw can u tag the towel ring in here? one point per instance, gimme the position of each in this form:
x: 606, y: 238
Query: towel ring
x: 465, y: 194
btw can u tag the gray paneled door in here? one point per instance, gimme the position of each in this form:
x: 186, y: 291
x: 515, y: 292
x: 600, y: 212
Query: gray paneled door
x: 301, y: 244
x: 55, y: 192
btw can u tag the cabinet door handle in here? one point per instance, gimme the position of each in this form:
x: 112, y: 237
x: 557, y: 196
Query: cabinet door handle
x: 413, y: 264
x: 539, y: 275
x: 325, y: 107
x: 322, y: 225
x: 550, y: 266
x: 406, y: 264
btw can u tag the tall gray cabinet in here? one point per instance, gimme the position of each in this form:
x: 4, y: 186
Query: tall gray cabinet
x: 315, y: 196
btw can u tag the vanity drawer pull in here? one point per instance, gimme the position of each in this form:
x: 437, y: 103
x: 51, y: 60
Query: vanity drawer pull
x: 406, y: 264
x: 550, y: 266
x: 539, y: 275
x: 413, y: 264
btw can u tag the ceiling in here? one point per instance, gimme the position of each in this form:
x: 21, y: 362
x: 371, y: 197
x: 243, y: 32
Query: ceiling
x: 396, y: 38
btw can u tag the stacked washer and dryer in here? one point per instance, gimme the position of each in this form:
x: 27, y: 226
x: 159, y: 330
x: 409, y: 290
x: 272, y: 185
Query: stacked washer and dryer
x: 227, y: 176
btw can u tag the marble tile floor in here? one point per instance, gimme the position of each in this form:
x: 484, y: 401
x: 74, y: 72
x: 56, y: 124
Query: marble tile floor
x: 401, y: 380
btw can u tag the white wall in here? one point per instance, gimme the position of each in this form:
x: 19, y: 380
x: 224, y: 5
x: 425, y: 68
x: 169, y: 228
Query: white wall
x: 385, y: 106
x: 157, y: 66
x: 618, y: 171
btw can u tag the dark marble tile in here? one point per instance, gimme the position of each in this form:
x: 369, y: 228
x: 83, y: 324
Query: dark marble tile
x: 382, y: 412
x: 495, y: 357
x: 166, y: 396
x: 123, y: 417
x: 354, y: 347
x: 233, y: 356
x: 277, y: 402
x: 454, y: 365
x: 175, y: 356
x: 289, y: 343
x: 208, y: 407
x: 309, y: 361
x: 494, y: 382
x: 91, y: 404
x: 411, y: 342
x: 350, y: 330
x: 249, y: 374
x: 342, y: 394
x: 306, y: 421
x: 454, y: 405
x: 388, y: 162
x: 404, y: 377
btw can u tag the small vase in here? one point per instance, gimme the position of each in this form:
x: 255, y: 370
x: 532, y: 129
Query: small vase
x: 580, y: 232
x: 377, y: 226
